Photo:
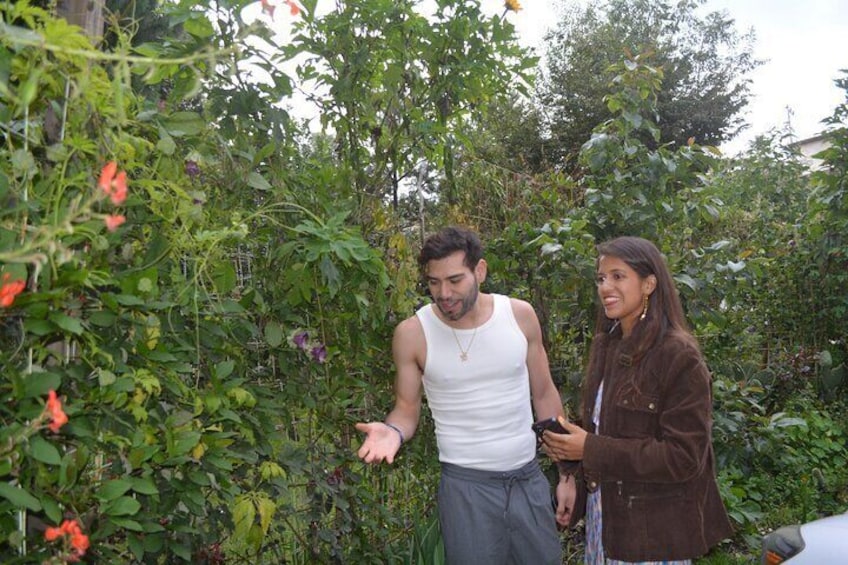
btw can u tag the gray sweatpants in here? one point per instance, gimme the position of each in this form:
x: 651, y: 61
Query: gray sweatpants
x: 496, y: 518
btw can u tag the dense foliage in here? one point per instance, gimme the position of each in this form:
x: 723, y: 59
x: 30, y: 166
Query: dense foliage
x: 197, y: 294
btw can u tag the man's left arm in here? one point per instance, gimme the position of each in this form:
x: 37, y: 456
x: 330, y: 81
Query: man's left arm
x: 547, y: 402
x: 546, y: 399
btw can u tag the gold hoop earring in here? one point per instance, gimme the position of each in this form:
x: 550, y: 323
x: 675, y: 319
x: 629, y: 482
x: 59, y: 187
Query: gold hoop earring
x: 644, y: 307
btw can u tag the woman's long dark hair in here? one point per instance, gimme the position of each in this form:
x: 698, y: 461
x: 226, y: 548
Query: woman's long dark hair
x: 665, y: 313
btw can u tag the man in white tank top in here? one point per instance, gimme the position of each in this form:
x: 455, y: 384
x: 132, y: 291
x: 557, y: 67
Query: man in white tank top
x: 480, y: 360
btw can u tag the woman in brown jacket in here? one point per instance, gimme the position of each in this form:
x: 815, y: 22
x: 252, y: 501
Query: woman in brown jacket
x: 646, y: 473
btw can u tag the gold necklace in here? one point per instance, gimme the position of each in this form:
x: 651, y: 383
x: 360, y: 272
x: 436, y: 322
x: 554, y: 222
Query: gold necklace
x: 463, y: 353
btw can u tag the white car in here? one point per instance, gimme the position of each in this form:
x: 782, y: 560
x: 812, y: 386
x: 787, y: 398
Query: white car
x: 820, y: 542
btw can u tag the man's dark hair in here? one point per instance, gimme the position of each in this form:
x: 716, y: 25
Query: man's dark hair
x: 448, y: 241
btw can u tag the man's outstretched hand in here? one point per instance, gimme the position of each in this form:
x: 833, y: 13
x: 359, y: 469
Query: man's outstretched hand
x: 381, y: 442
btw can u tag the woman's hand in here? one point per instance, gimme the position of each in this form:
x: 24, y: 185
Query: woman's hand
x: 565, y: 447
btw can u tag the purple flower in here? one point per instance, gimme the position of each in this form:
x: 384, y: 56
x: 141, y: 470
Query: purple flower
x: 319, y: 353
x: 192, y: 169
x: 301, y: 340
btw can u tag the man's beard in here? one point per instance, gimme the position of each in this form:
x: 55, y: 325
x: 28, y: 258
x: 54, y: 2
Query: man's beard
x: 467, y: 304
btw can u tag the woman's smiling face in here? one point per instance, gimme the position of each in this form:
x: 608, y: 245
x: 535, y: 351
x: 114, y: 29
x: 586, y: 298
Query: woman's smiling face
x: 621, y: 291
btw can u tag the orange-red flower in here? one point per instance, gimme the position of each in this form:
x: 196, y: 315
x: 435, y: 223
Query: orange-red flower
x: 114, y: 221
x: 512, y: 5
x: 113, y: 183
x: 294, y: 8
x: 269, y: 8
x: 54, y: 409
x: 9, y: 290
x: 52, y: 534
x: 79, y: 542
x: 71, y: 529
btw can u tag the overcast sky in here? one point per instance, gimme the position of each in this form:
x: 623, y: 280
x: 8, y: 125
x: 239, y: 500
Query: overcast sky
x: 804, y: 45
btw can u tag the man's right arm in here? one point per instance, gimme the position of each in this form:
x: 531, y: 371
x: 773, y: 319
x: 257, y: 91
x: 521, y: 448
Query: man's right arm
x: 384, y: 441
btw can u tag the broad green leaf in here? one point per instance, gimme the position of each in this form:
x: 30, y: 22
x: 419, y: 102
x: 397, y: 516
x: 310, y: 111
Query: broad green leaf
x: 224, y: 277
x: 244, y: 515
x: 19, y: 497
x: 39, y: 383
x: 110, y: 490
x: 144, y: 485
x: 198, y: 26
x: 44, y: 451
x: 127, y: 524
x: 184, y: 442
x: 66, y: 322
x: 257, y: 181
x: 102, y: 318
x: 273, y: 334
x: 39, y: 327
x: 51, y: 509
x: 224, y: 369
x: 184, y: 123
x: 266, y: 508
x: 123, y: 506
x: 166, y: 145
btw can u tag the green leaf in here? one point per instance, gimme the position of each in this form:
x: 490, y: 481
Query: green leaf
x: 224, y: 369
x: 110, y: 490
x: 128, y: 524
x: 244, y: 513
x: 257, y: 181
x: 44, y: 451
x: 266, y: 508
x: 67, y: 323
x: 39, y: 327
x: 166, y: 144
x: 102, y: 318
x: 129, y: 300
x: 123, y: 506
x: 141, y: 454
x: 19, y: 497
x: 198, y: 26
x: 144, y: 485
x: 136, y: 545
x: 184, y: 443
x: 40, y: 383
x: 105, y: 378
x: 224, y: 277
x: 687, y: 280
x: 273, y: 334
x: 51, y: 509
x: 184, y: 123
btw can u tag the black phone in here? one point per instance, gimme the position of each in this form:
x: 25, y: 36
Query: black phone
x: 548, y: 424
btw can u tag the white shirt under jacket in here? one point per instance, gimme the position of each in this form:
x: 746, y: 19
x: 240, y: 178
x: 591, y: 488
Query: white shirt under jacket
x: 481, y: 407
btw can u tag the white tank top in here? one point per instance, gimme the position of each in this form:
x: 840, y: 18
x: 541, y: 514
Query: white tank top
x: 481, y: 407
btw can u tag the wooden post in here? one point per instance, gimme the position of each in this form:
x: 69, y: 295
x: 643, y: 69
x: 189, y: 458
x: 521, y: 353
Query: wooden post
x: 88, y: 14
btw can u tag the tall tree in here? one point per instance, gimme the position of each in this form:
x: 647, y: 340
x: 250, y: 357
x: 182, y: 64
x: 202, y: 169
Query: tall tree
x: 705, y: 62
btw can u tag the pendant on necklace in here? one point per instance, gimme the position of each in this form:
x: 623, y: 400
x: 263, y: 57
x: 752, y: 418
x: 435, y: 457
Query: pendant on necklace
x: 463, y: 356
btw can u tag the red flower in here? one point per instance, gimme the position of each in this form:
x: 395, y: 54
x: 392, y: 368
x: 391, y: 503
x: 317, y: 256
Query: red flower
x: 295, y: 10
x: 113, y: 185
x: 52, y: 534
x: 114, y: 221
x: 9, y: 290
x: 78, y: 540
x: 57, y: 415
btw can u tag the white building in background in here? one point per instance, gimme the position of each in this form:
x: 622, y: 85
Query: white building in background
x: 809, y: 147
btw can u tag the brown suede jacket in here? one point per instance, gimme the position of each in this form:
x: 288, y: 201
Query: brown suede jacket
x: 653, y: 457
